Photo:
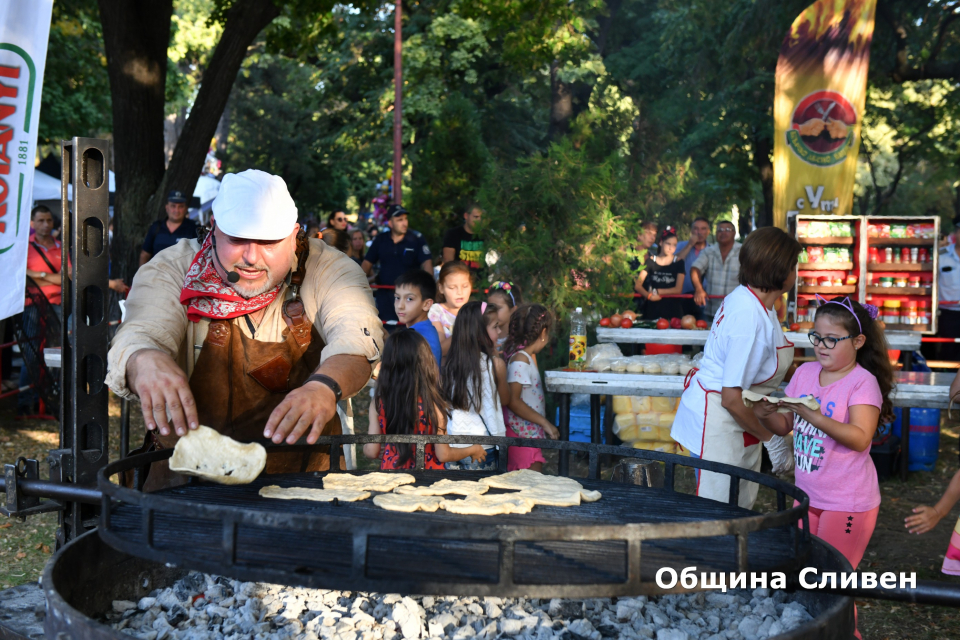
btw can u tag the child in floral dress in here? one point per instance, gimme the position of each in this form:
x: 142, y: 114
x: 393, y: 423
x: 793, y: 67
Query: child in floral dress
x: 529, y: 333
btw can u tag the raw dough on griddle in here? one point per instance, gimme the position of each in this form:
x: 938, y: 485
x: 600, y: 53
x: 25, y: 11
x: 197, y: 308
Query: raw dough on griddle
x: 489, y: 505
x: 375, y: 481
x: 317, y: 495
x: 525, y: 478
x: 750, y: 398
x: 207, y: 454
x: 445, y: 487
x: 408, y: 503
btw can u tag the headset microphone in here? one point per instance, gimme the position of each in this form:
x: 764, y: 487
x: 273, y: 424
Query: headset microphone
x: 232, y: 276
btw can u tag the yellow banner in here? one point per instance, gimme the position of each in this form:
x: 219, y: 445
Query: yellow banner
x: 818, y: 108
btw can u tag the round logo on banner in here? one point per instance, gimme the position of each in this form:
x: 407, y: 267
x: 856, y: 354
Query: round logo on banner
x: 821, y: 128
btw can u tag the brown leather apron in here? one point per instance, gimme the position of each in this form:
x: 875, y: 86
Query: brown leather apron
x: 238, y: 382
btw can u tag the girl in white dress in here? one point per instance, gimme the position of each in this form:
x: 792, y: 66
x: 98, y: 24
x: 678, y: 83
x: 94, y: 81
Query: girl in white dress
x: 474, y: 379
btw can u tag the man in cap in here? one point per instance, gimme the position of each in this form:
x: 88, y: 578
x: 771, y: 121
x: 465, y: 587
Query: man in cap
x: 166, y: 233
x: 397, y: 252
x: 255, y: 332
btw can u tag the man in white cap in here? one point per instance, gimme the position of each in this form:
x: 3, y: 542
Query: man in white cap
x: 255, y: 332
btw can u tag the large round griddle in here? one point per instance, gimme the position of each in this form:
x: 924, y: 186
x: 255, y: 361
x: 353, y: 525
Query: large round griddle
x: 614, y: 546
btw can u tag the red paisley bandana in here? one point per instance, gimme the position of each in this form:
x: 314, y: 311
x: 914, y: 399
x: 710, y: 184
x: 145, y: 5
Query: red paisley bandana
x: 208, y: 296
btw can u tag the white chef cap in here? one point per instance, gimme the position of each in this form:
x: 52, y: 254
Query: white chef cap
x: 254, y: 205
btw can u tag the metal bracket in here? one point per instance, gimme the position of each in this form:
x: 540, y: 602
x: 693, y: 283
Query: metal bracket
x: 18, y: 505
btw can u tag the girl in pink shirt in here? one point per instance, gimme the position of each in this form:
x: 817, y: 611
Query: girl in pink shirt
x: 851, y: 380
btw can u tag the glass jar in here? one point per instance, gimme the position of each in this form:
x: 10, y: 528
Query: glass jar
x: 914, y: 255
x: 888, y: 254
x: 873, y: 255
x: 923, y: 255
x: 910, y: 315
x: 923, y: 313
x: 905, y: 255
x: 886, y: 281
x: 891, y: 311
x: 900, y: 281
x: 914, y: 282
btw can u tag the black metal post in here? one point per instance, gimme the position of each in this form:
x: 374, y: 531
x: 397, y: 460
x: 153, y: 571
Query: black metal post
x: 563, y: 402
x: 595, y: 434
x: 124, y: 427
x: 904, y: 443
x: 84, y: 420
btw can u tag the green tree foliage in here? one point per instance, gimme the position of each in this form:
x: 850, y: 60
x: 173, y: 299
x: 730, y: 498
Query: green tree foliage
x: 76, y: 90
x: 450, y: 167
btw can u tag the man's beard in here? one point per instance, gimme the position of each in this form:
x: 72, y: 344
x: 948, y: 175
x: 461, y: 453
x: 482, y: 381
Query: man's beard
x: 246, y: 291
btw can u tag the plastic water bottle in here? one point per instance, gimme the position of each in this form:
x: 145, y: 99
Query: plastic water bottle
x: 578, y: 340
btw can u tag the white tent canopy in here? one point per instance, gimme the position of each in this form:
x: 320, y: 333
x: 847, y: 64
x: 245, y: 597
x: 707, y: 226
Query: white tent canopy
x: 46, y: 187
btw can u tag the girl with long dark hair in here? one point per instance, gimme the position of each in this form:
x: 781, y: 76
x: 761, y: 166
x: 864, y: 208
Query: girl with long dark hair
x: 474, y: 380
x: 662, y: 275
x: 408, y: 401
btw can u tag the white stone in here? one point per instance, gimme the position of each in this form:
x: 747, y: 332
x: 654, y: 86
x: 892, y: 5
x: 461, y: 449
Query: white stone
x: 672, y: 634
x: 492, y: 610
x: 123, y: 605
x: 406, y: 614
x: 146, y: 603
x: 510, y: 626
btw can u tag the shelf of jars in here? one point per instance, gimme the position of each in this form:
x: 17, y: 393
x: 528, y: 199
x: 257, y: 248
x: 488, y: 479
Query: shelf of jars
x: 890, y: 262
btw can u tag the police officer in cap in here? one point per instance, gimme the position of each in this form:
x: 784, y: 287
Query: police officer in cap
x: 397, y: 252
x: 166, y: 233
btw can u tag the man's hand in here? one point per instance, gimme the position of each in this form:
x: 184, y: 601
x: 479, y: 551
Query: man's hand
x: 309, y: 407
x: 700, y: 297
x: 162, y: 387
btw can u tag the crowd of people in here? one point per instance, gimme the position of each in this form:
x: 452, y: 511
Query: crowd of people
x: 459, y: 366
x: 463, y: 368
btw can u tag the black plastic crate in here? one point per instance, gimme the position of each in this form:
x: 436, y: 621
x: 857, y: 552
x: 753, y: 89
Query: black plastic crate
x: 886, y: 456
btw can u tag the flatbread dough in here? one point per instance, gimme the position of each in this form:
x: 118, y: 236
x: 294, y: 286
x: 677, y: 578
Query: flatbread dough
x: 489, y: 505
x: 445, y: 487
x: 525, y: 479
x: 207, y: 454
x: 316, y: 495
x: 375, y: 481
x: 553, y: 495
x: 750, y: 398
x: 407, y: 503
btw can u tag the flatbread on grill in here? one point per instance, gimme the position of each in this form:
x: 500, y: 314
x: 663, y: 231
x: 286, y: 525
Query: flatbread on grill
x: 408, y: 503
x: 489, y: 505
x: 525, y: 479
x: 559, y: 495
x: 750, y: 398
x: 316, y: 495
x: 212, y: 456
x: 445, y: 487
x: 375, y: 481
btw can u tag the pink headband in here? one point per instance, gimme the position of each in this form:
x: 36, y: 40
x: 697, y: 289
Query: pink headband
x: 871, y: 310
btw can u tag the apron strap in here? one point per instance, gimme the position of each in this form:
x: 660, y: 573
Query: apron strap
x: 687, y: 379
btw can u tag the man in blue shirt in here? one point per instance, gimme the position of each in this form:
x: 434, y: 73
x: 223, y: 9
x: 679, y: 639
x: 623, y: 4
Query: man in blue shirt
x: 166, y: 233
x: 397, y: 252
x: 689, y: 251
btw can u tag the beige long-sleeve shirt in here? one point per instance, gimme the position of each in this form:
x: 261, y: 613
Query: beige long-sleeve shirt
x: 335, y: 295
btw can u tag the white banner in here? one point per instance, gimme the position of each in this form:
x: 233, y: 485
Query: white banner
x: 24, y: 32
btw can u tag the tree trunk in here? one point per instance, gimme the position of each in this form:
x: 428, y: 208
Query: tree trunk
x: 763, y: 147
x: 136, y: 35
x: 561, y: 104
x: 245, y: 20
x: 135, y: 38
